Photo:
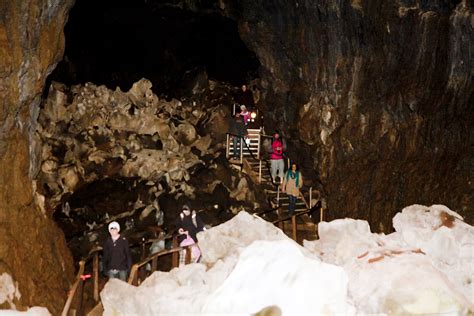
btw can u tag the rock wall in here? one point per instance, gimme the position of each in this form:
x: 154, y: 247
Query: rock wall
x: 376, y: 94
x: 32, y: 249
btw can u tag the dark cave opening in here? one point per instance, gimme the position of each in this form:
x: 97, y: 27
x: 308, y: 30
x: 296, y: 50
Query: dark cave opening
x: 116, y: 43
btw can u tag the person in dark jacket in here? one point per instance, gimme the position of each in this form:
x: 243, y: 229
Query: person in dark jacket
x: 238, y: 131
x: 245, y: 97
x: 117, y: 259
x: 189, y: 223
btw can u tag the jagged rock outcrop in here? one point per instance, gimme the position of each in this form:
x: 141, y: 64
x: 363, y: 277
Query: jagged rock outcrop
x: 32, y: 249
x: 134, y: 134
x: 105, y: 155
x: 375, y: 98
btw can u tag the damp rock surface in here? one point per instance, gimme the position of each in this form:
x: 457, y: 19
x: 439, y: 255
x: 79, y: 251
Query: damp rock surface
x: 32, y: 249
x: 374, y: 97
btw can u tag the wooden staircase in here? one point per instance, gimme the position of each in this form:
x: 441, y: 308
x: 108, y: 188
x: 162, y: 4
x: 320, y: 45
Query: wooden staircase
x: 259, y: 169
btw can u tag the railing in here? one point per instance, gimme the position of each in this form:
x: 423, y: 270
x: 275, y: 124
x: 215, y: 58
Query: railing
x: 293, y: 222
x: 309, y: 204
x: 76, y: 294
x: 256, y: 158
x: 134, y: 278
x: 77, y: 290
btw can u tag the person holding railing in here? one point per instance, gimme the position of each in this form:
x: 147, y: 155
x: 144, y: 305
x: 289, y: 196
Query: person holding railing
x: 277, y: 167
x: 292, y: 183
x: 189, y: 225
x: 117, y: 259
x: 238, y: 131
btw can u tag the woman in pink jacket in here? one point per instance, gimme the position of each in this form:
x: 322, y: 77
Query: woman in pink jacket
x: 276, y: 158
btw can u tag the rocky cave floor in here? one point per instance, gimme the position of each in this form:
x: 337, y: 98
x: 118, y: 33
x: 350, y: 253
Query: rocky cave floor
x: 106, y: 155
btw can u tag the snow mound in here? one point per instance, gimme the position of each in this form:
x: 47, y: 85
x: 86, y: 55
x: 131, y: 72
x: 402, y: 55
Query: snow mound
x: 426, y: 266
x: 248, y: 264
x: 34, y: 311
x: 9, y: 291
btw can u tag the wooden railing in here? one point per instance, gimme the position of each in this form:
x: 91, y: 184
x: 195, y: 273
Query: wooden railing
x: 292, y: 217
x: 76, y: 294
x: 134, y: 277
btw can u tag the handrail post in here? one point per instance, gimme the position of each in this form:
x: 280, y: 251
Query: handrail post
x: 241, y: 148
x: 142, y: 272
x: 227, y: 149
x: 132, y: 279
x: 260, y: 171
x: 310, y: 197
x: 187, y: 259
x: 95, y: 271
x: 154, y: 264
x: 293, y: 226
x: 280, y: 223
x: 80, y: 309
x: 258, y: 145
x: 73, y: 292
x: 321, y: 213
x: 175, y: 255
x: 278, y: 195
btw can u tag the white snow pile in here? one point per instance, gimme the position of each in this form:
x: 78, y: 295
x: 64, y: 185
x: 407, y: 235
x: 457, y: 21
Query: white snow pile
x: 248, y: 264
x: 9, y: 291
x: 425, y: 267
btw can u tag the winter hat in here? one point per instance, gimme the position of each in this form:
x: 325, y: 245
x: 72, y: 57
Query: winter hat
x: 186, y: 207
x: 114, y: 225
x: 243, y: 107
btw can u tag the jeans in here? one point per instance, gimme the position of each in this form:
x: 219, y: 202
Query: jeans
x: 118, y: 274
x: 292, y: 203
x: 277, y: 167
x: 237, y: 142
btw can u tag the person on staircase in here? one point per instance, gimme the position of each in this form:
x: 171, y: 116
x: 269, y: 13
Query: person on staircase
x: 189, y: 224
x: 117, y: 259
x: 238, y: 131
x: 277, y: 162
x: 245, y: 97
x: 245, y: 114
x: 292, y: 183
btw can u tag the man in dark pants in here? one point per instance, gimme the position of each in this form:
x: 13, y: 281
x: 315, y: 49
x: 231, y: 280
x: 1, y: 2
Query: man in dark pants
x: 238, y: 131
x: 117, y: 259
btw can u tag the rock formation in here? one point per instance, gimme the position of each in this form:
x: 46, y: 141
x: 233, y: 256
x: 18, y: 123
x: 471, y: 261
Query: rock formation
x: 377, y: 96
x: 105, y: 155
x: 32, y: 249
